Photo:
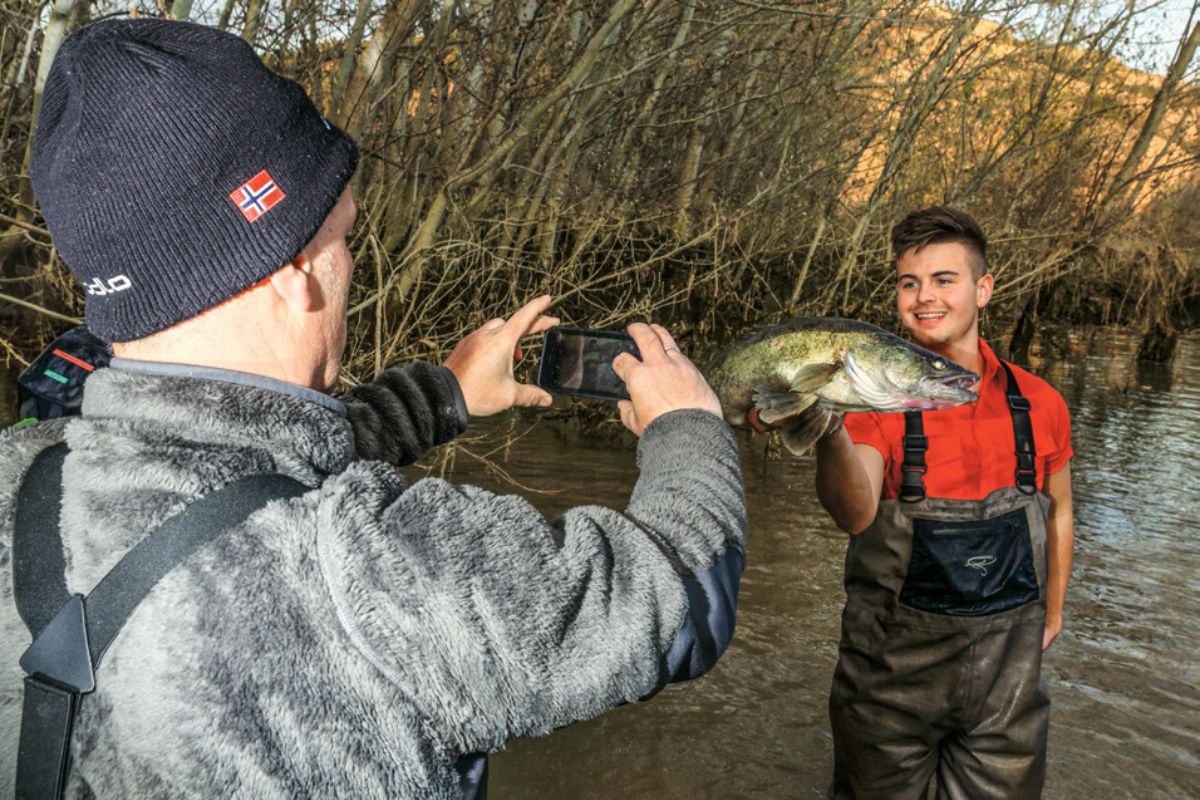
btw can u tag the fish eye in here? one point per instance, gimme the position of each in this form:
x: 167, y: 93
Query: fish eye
x: 939, y: 364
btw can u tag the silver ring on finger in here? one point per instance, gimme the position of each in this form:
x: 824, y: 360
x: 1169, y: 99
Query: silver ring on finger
x: 673, y: 350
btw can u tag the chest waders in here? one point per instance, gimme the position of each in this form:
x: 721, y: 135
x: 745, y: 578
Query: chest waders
x: 939, y: 666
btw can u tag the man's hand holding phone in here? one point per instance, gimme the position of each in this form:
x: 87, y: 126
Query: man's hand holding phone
x: 483, y: 362
x: 662, y: 381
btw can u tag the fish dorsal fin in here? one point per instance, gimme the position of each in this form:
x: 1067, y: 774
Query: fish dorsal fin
x: 811, y: 377
x: 779, y: 404
x: 802, y: 432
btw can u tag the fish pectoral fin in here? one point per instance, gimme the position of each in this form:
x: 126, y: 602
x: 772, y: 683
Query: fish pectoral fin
x: 775, y: 405
x: 811, y: 377
x: 801, y: 433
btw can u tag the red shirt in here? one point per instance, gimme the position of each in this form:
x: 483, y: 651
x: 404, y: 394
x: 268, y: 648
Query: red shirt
x: 971, y: 449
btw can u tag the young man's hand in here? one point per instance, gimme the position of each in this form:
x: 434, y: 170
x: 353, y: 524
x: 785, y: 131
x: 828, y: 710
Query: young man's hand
x: 663, y: 380
x: 483, y: 362
x: 1051, y: 632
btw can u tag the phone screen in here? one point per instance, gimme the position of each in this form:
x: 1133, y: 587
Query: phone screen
x: 577, y: 361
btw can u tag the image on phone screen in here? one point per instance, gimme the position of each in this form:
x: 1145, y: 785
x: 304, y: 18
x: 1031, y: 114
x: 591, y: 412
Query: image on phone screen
x: 577, y: 361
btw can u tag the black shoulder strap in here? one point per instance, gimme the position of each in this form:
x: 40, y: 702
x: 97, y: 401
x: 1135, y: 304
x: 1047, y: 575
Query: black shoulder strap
x: 912, y: 490
x: 39, y: 571
x: 1018, y: 406
x: 71, y: 633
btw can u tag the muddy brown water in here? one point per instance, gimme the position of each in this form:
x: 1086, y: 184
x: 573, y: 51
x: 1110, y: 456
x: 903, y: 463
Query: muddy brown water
x: 1124, y: 676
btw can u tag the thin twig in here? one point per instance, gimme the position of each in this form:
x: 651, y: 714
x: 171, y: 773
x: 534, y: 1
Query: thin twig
x: 34, y: 307
x: 24, y: 225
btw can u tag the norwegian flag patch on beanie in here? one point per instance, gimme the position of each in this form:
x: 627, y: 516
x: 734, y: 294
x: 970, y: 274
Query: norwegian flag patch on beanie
x: 257, y: 196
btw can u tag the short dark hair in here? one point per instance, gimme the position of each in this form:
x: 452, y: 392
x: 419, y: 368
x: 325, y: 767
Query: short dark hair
x: 938, y: 224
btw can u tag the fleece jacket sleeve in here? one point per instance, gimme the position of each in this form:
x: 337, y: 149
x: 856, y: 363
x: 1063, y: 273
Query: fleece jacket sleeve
x: 495, y: 622
x: 405, y: 412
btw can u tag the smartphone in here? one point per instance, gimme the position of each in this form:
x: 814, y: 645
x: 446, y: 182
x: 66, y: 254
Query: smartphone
x: 578, y: 361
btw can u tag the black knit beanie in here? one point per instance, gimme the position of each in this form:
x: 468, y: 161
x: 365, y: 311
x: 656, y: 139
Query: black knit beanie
x: 175, y: 170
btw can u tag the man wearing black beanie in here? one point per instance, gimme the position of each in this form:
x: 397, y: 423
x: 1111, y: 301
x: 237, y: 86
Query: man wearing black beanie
x: 357, y: 636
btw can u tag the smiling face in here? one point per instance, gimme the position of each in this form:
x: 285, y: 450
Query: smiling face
x: 938, y: 296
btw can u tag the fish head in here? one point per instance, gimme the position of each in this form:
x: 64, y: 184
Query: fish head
x: 900, y: 376
x: 944, y: 384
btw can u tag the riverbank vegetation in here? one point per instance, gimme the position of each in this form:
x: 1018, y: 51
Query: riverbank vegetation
x: 713, y: 164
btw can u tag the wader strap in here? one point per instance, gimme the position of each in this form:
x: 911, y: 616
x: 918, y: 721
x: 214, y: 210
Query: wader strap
x: 912, y: 490
x: 71, y: 635
x: 1019, y: 407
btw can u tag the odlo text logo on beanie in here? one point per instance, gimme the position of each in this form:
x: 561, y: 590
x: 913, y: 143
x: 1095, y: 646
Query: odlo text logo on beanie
x: 99, y: 288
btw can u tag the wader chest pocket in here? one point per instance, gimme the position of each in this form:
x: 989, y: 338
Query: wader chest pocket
x: 971, y: 568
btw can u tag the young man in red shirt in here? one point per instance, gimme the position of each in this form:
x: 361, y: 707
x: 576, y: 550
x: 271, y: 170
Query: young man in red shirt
x: 960, y: 550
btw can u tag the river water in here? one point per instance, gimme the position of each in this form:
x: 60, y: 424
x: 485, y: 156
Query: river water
x: 1124, y: 676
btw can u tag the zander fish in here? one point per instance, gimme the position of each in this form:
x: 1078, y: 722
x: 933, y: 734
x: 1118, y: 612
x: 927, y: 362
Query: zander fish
x: 796, y: 373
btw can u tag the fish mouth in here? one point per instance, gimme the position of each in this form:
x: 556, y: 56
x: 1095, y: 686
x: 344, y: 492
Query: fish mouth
x: 944, y: 391
x: 964, y: 380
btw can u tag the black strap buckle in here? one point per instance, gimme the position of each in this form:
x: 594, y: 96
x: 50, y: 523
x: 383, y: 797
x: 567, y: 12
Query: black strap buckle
x: 1026, y: 479
x: 1018, y: 403
x: 916, y: 443
x: 912, y: 490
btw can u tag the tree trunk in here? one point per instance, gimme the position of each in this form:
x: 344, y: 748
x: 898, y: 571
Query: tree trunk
x: 20, y: 87
x: 687, y: 180
x: 373, y: 69
x: 694, y: 151
x: 1024, y: 329
x: 1158, y: 109
x: 56, y: 31
x: 580, y: 70
x: 1159, y: 344
x: 226, y: 13
x: 350, y: 56
x: 253, y: 15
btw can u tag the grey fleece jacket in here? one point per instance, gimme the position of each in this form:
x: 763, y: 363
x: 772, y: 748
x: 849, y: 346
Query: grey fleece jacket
x: 359, y: 640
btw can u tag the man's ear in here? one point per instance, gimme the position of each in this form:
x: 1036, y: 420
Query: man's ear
x: 293, y: 282
x: 983, y: 290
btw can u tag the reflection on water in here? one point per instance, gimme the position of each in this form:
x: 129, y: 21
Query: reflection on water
x: 1123, y: 676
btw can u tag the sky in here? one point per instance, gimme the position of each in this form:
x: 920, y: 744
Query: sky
x: 1161, y: 26
x: 1150, y: 43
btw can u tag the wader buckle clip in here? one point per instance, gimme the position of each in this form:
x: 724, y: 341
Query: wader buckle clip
x: 1018, y: 403
x: 1026, y: 475
x: 1026, y: 481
